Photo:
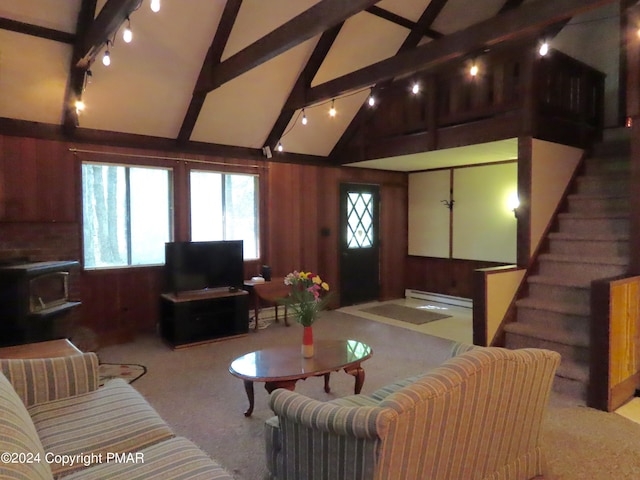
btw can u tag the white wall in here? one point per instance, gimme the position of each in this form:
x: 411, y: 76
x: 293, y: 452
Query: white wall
x: 484, y: 228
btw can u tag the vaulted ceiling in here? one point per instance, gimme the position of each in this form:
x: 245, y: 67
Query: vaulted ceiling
x: 232, y: 76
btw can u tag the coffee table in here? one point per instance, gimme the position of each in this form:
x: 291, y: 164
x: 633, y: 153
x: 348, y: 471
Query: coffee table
x: 283, y: 366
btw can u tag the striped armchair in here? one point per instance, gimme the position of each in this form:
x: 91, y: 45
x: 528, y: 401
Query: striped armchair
x: 477, y: 416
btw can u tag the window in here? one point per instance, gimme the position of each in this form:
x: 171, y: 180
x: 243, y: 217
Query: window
x: 225, y: 207
x: 126, y: 214
x: 359, y: 220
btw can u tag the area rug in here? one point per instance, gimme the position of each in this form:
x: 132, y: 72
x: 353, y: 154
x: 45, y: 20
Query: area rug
x: 416, y: 316
x: 129, y: 372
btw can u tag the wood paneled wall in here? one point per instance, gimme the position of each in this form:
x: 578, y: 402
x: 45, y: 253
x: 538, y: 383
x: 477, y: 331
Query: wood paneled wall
x: 40, y: 188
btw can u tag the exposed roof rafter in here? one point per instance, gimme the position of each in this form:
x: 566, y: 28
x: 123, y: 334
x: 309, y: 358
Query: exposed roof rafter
x: 313, y: 21
x: 76, y: 78
x: 304, y: 81
x: 218, y: 44
x: 510, y: 25
x: 37, y: 31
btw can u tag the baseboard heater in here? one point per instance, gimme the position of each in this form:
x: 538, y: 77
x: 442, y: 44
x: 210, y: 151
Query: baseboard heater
x: 439, y: 297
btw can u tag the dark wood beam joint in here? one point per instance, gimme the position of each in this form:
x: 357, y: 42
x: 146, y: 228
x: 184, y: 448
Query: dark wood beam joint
x: 311, y: 22
x: 403, y: 22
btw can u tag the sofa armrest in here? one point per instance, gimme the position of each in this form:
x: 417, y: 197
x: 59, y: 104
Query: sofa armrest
x: 315, y: 439
x: 38, y: 380
x: 358, y: 422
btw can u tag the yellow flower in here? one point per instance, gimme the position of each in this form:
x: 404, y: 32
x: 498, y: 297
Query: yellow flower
x: 304, y: 275
x: 317, y: 280
x: 325, y: 286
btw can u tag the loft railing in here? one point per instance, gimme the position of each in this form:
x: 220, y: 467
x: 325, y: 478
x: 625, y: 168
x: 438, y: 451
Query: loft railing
x: 516, y: 92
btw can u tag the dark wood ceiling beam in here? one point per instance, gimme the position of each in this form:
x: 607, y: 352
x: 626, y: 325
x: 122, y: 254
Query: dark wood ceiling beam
x: 403, y: 22
x: 76, y: 78
x: 304, y: 81
x: 322, y: 16
x: 413, y: 39
x: 37, y: 31
x: 511, y: 25
x: 104, y: 27
x: 214, y: 54
x: 510, y: 5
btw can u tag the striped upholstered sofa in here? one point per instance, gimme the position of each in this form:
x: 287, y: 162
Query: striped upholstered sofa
x: 475, y: 417
x: 56, y: 423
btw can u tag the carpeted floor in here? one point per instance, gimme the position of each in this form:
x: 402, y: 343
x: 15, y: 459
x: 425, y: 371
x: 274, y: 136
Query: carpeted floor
x: 193, y: 391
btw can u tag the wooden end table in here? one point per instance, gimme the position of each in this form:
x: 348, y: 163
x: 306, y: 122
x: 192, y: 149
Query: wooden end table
x: 282, y: 367
x: 48, y: 349
x: 270, y: 292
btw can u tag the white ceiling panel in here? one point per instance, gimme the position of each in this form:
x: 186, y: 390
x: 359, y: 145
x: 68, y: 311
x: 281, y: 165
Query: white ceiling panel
x: 257, y: 18
x: 243, y: 111
x: 459, y: 14
x: 33, y: 77
x: 322, y: 132
x: 148, y: 86
x: 364, y: 39
x: 56, y: 14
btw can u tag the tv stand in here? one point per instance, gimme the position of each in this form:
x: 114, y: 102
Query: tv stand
x: 201, y: 316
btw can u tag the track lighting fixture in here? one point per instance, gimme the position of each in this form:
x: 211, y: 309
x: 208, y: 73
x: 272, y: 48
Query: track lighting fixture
x: 416, y: 88
x: 280, y: 147
x: 155, y: 6
x: 106, y: 59
x: 473, y: 71
x: 371, y: 101
x: 127, y: 34
x: 304, y: 117
x: 332, y: 110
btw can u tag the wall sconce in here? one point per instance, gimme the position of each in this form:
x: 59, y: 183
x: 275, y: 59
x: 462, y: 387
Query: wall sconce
x: 513, y: 203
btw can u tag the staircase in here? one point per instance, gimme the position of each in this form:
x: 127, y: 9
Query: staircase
x: 591, y: 242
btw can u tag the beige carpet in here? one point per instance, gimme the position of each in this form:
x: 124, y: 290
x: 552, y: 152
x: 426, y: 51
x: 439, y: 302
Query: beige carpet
x: 193, y: 391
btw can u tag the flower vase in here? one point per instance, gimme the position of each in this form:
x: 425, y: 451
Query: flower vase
x: 307, y: 342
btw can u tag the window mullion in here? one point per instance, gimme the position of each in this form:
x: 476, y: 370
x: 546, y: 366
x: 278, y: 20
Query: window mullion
x: 128, y: 215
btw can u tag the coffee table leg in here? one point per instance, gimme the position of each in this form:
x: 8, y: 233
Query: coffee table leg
x: 357, y: 372
x: 327, y: 388
x: 248, y: 386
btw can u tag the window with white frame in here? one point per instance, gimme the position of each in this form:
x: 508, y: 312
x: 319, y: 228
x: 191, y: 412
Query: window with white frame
x: 224, y: 206
x: 126, y: 214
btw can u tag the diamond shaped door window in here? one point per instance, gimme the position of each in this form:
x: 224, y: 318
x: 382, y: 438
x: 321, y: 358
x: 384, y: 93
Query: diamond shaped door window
x: 359, y: 220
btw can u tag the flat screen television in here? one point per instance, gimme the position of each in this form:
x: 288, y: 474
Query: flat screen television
x: 202, y: 265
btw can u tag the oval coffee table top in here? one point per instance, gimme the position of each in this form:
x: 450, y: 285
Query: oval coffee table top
x: 286, y: 362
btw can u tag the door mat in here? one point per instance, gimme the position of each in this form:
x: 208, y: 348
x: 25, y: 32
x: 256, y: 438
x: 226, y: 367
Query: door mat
x: 416, y: 316
x: 128, y: 372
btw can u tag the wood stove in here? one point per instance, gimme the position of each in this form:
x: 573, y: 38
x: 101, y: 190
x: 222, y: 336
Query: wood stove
x: 34, y: 301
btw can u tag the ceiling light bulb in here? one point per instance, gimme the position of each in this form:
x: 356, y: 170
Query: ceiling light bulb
x: 304, y: 117
x: 79, y: 106
x: 332, y: 110
x: 155, y: 6
x: 372, y: 101
x: 474, y: 70
x: 106, y: 59
x: 415, y: 89
x: 127, y: 34
x: 544, y: 49
x: 280, y: 147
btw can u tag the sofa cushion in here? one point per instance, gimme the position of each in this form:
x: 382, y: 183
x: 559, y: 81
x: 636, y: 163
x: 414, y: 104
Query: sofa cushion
x: 173, y: 459
x: 114, y: 418
x: 18, y: 437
